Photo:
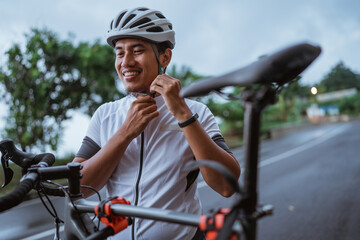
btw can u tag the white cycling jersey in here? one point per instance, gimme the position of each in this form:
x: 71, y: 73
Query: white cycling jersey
x: 151, y: 173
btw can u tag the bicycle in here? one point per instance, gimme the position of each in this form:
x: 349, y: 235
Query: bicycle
x: 271, y: 73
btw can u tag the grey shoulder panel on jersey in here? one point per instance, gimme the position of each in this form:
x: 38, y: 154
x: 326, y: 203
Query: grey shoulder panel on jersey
x: 192, y: 176
x: 88, y: 148
x: 220, y: 141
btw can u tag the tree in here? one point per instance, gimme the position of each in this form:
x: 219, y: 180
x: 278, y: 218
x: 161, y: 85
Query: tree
x: 340, y: 77
x: 49, y: 78
x: 288, y: 98
x: 98, y: 75
x: 184, y: 74
x: 350, y: 105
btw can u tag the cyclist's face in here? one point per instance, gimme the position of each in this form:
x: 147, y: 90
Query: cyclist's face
x: 135, y: 64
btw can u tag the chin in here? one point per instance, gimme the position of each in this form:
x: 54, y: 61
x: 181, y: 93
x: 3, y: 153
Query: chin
x: 130, y: 90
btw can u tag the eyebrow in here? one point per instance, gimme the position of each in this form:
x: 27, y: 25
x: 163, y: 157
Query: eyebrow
x: 132, y: 46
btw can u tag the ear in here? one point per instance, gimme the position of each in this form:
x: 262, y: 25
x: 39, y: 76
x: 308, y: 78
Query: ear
x: 165, y: 57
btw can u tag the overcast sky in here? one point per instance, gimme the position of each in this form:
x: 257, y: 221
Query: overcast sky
x: 212, y: 37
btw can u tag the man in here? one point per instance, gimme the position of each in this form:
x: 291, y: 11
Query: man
x: 138, y: 146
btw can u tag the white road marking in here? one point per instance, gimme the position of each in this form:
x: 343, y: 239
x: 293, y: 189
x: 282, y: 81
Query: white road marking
x: 293, y: 151
x: 304, y: 147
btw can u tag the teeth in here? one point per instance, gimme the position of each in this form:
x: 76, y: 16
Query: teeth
x: 126, y: 74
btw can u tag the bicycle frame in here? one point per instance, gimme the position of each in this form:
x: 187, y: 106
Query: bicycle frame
x: 78, y: 224
x: 74, y: 228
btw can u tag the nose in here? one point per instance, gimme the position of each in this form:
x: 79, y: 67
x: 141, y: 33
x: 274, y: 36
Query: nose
x: 128, y: 60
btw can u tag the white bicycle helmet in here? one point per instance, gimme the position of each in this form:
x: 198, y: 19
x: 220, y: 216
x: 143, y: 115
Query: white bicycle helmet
x: 143, y: 23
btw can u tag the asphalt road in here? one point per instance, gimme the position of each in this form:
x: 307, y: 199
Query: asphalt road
x: 311, y: 177
x: 315, y: 191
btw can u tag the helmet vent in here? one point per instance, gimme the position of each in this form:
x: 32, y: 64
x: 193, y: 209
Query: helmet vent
x: 119, y: 19
x: 143, y: 9
x: 155, y: 29
x: 140, y: 22
x: 128, y: 19
x: 159, y: 15
x: 170, y: 26
x: 111, y: 24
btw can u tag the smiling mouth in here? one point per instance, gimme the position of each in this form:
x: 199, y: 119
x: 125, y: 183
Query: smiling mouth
x: 130, y: 74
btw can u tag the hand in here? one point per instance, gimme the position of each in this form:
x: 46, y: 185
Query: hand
x: 169, y: 88
x: 140, y: 113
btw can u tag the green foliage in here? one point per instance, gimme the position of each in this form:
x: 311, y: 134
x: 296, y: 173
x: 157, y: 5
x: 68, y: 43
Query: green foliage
x: 288, y: 106
x: 296, y: 89
x: 49, y: 78
x: 231, y: 113
x: 184, y: 74
x: 350, y: 105
x: 340, y: 77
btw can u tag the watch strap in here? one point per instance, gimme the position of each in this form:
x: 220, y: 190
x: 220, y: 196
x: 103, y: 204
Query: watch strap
x: 189, y: 121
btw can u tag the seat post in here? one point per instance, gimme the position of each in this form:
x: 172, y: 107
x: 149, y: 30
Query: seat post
x: 254, y: 102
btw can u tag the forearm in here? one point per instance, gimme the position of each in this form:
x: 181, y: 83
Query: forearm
x: 201, y: 144
x: 98, y: 169
x: 204, y: 148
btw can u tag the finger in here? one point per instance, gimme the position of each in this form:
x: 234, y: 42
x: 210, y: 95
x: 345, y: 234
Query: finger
x: 137, y: 108
x: 157, y: 88
x: 151, y: 116
x: 149, y: 109
x: 162, y: 79
x: 143, y: 98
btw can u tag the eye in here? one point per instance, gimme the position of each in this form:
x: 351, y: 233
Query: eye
x: 138, y: 51
x: 119, y: 54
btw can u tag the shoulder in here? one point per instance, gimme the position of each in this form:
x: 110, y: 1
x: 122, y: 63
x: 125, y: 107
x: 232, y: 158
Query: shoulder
x: 200, y: 108
x: 195, y: 104
x: 112, y: 107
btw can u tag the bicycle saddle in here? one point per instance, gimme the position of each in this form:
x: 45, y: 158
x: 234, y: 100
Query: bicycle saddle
x: 279, y: 67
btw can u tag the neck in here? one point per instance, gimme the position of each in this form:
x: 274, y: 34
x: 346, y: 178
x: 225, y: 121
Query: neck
x: 136, y: 94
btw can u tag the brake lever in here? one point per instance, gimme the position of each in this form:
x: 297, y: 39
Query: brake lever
x: 11, y: 153
x: 8, y: 172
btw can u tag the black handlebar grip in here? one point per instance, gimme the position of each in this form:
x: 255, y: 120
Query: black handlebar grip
x: 46, y: 158
x: 17, y: 195
x: 102, y: 234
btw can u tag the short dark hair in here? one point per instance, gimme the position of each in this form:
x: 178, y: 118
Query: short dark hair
x: 162, y: 46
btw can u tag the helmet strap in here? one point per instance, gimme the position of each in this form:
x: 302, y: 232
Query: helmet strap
x: 161, y: 70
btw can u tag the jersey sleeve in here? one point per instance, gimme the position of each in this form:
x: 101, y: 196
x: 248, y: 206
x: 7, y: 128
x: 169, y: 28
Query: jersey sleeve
x: 209, y: 124
x: 91, y: 143
x: 93, y: 130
